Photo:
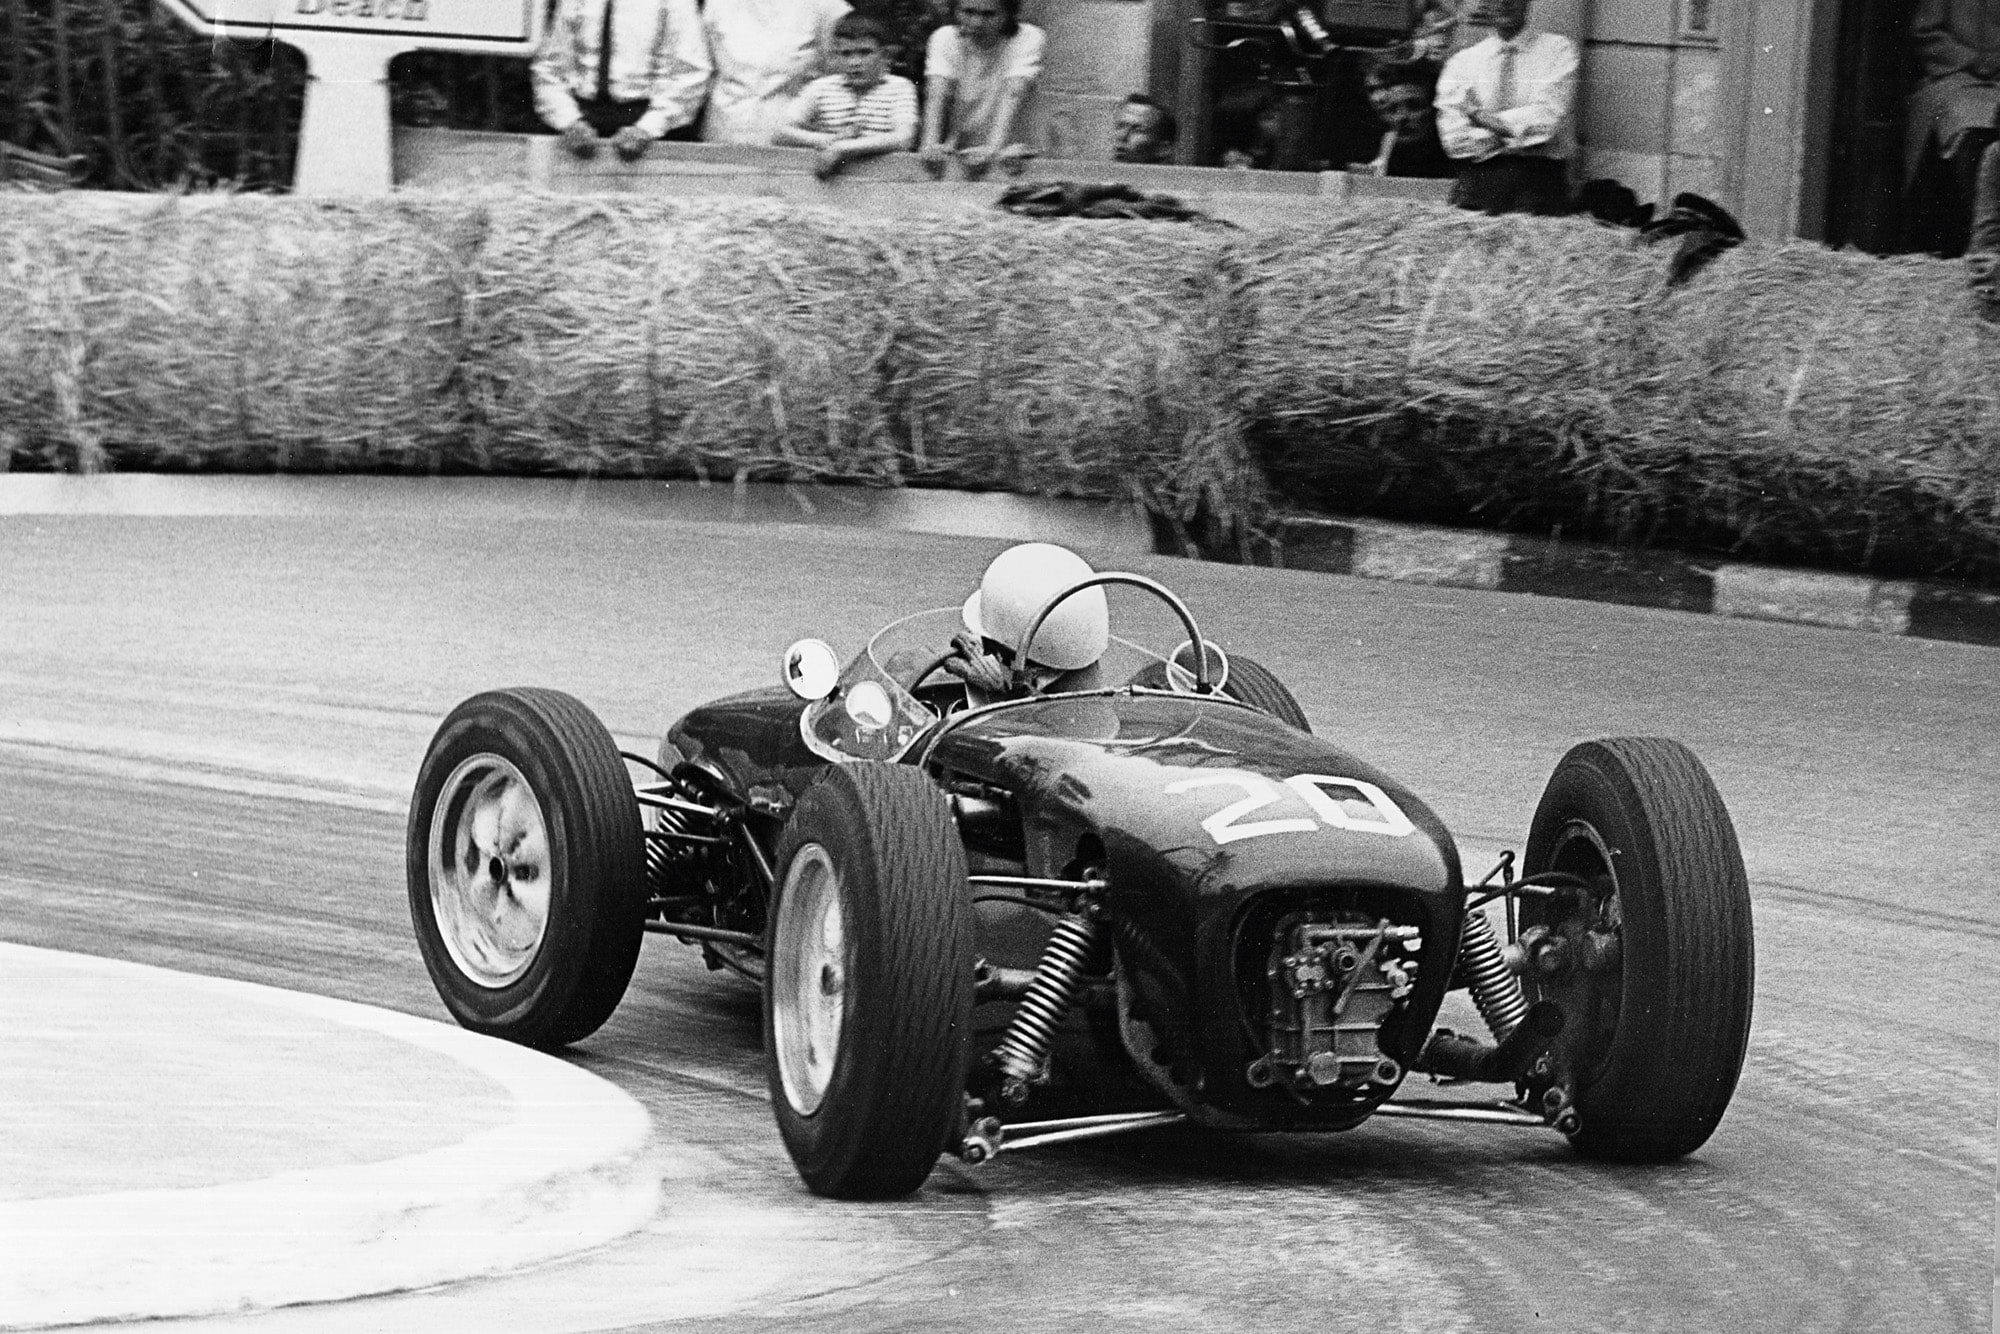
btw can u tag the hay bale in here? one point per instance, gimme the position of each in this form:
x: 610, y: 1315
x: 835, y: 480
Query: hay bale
x: 758, y: 338
x: 1428, y: 358
x: 1832, y: 404
x: 1088, y: 358
x: 629, y: 336
x: 243, y: 333
x: 1539, y: 374
x: 1397, y: 360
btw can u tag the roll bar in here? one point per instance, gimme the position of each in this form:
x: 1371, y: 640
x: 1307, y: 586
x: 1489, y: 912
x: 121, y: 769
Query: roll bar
x: 1153, y: 586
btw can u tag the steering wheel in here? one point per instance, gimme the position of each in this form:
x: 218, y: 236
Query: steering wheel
x: 936, y: 665
x: 1198, y: 649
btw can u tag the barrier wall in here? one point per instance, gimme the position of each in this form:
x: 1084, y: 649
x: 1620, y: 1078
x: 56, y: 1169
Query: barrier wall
x: 895, y: 185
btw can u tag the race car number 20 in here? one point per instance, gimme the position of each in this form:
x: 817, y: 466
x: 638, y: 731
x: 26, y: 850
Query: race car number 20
x: 1337, y: 803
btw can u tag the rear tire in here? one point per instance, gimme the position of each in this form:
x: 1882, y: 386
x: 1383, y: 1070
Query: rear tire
x: 1654, y: 1039
x: 526, y: 867
x: 868, y: 993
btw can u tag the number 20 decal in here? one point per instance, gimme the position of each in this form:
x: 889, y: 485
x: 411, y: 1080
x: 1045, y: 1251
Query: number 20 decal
x: 1362, y: 807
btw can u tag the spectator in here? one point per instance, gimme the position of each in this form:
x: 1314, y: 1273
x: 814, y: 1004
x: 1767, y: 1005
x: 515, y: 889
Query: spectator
x: 978, y: 76
x: 766, y: 52
x: 630, y: 70
x: 1435, y: 32
x: 862, y: 111
x: 1401, y: 95
x: 1145, y: 131
x: 1504, y: 107
x: 1249, y: 121
x: 1957, y: 45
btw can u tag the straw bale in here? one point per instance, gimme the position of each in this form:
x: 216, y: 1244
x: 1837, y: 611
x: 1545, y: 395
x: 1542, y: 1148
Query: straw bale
x: 1838, y: 404
x: 1090, y: 358
x: 1789, y: 402
x: 244, y: 333
x: 629, y: 336
x: 1395, y: 360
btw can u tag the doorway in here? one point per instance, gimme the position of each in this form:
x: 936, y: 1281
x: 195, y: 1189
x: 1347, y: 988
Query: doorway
x: 1866, y: 205
x: 1873, y: 202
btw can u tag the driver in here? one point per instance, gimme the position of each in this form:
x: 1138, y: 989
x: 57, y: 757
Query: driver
x: 1066, y: 649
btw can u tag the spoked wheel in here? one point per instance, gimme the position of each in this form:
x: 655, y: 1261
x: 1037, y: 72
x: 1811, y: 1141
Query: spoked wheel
x: 1650, y: 950
x: 526, y: 870
x: 868, y: 999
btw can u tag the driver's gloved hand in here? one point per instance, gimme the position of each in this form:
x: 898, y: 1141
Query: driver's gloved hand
x: 971, y: 664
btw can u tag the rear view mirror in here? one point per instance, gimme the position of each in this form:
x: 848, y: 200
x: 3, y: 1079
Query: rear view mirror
x: 811, y: 669
x: 1180, y: 672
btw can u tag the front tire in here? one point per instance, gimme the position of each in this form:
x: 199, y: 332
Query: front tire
x: 868, y: 994
x: 1258, y: 686
x: 1250, y: 682
x: 526, y: 867
x: 1657, y: 954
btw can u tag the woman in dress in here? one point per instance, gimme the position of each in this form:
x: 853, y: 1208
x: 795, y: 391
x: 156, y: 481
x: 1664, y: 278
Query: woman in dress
x: 978, y: 76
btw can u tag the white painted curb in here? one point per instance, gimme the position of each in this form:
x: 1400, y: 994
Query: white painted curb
x: 569, y: 1171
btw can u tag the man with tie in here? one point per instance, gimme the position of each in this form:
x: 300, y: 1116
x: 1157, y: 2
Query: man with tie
x: 627, y: 70
x: 1504, y: 111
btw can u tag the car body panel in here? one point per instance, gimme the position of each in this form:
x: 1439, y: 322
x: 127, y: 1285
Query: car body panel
x: 1201, y: 807
x: 1149, y: 776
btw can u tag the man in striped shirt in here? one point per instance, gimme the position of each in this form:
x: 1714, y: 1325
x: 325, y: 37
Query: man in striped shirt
x: 861, y: 111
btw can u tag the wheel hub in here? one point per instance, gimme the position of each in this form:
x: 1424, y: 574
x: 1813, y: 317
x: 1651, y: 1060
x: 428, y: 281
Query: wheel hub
x: 490, y: 870
x: 1578, y: 959
x: 808, y: 978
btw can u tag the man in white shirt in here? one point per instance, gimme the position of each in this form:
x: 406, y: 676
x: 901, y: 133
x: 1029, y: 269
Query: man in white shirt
x: 627, y: 70
x: 1505, y: 108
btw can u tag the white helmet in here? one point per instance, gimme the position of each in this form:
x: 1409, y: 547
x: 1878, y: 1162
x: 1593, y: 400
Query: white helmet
x: 1019, y: 583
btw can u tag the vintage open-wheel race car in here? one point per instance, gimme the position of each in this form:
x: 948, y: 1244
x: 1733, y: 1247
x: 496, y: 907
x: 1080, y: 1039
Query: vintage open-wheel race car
x: 983, y: 921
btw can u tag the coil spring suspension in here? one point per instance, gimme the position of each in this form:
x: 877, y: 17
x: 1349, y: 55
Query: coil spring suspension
x: 664, y: 858
x: 1058, y: 978
x: 1496, y: 992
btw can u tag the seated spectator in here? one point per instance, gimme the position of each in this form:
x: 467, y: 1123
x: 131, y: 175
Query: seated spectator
x: 978, y: 76
x: 1957, y: 44
x: 1401, y: 96
x: 627, y: 70
x: 765, y: 52
x: 863, y: 111
x: 1145, y: 131
x: 1249, y: 121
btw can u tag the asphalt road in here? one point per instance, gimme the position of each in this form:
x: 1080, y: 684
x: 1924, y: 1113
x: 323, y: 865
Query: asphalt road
x: 208, y: 727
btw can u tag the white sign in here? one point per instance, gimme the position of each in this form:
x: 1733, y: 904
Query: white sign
x: 344, y: 146
x: 494, y: 26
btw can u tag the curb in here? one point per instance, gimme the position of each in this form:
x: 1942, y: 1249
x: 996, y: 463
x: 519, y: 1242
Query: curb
x: 566, y: 1170
x: 1368, y: 549
x: 1107, y: 526
x: 1502, y: 563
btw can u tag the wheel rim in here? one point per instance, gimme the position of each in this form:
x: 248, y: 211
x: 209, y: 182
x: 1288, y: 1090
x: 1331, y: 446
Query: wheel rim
x: 490, y: 871
x: 808, y: 978
x: 1593, y: 1001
